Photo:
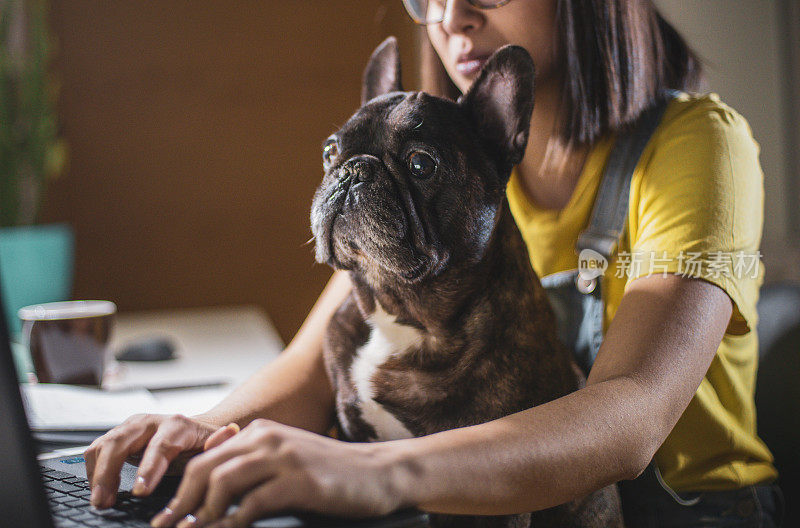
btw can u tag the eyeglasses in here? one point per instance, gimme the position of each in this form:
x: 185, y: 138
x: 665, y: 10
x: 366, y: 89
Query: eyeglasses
x: 432, y: 11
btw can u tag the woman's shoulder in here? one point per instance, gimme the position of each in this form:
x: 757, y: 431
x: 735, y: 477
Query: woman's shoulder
x: 699, y: 136
x: 699, y: 184
x: 703, y: 114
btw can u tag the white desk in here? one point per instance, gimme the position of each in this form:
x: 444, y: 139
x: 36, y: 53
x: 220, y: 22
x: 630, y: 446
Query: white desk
x: 220, y: 345
x: 214, y: 345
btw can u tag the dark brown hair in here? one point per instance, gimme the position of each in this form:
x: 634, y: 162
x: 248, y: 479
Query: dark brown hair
x: 617, y: 56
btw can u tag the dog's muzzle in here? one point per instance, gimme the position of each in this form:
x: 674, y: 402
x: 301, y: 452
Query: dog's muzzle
x: 360, y: 169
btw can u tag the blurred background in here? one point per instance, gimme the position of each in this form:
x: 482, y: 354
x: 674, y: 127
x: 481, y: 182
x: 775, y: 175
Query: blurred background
x: 190, y: 136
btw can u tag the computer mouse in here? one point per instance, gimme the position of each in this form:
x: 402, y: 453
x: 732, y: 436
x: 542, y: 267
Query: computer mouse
x: 158, y: 348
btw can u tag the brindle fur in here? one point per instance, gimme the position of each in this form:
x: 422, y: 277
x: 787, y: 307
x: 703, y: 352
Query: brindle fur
x: 489, y: 346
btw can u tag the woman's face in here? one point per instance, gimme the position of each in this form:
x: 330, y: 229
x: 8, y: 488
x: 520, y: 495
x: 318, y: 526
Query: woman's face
x: 468, y: 36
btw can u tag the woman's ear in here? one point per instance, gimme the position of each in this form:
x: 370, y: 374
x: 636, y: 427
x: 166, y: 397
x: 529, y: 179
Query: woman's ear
x: 500, y: 103
x: 382, y: 74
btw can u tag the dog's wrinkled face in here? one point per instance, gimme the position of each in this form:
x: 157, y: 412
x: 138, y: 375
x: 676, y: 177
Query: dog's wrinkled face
x: 398, y: 190
x: 413, y: 182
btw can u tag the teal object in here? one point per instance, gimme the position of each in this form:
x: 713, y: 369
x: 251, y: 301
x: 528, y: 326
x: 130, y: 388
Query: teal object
x: 36, y: 266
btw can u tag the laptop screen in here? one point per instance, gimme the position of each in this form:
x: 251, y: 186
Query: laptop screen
x: 22, y: 498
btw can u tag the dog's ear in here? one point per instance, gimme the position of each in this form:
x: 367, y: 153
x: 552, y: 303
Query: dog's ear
x: 500, y: 103
x: 382, y: 74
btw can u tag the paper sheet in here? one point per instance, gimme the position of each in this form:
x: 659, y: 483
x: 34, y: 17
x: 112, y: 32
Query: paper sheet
x: 52, y: 407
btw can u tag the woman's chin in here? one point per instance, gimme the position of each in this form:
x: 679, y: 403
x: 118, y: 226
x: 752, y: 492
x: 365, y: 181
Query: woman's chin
x: 462, y: 82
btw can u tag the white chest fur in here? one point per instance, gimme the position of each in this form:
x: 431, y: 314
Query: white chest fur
x: 387, y: 339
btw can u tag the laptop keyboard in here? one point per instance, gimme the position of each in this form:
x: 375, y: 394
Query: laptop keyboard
x: 68, y: 497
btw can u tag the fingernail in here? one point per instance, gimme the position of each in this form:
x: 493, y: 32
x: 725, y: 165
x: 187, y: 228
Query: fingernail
x: 221, y: 435
x: 140, y: 488
x: 162, y: 519
x: 98, y: 495
x: 189, y: 520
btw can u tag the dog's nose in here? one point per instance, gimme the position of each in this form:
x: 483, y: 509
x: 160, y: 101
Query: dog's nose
x: 360, y: 168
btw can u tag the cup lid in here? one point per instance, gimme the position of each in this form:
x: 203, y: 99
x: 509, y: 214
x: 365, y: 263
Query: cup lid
x: 66, y: 310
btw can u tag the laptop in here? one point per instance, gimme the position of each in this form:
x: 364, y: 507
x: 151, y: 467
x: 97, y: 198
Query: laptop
x: 51, y: 491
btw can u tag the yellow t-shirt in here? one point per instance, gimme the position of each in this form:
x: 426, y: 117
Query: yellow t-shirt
x: 696, y: 208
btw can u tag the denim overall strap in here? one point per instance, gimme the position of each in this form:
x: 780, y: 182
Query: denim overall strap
x: 576, y: 300
x: 610, y: 210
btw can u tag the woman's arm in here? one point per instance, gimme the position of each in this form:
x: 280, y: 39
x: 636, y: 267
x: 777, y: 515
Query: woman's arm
x: 294, y: 389
x: 653, y: 357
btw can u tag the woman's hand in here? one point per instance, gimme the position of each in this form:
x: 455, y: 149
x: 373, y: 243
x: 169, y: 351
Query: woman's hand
x: 159, y: 439
x: 274, y: 467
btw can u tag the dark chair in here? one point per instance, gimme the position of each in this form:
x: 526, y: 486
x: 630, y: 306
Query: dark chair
x: 778, y: 387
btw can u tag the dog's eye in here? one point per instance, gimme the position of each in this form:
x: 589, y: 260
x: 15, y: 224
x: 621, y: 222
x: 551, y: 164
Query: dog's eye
x: 421, y: 164
x: 330, y: 152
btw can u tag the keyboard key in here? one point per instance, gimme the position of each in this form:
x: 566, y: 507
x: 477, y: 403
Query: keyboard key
x: 82, y: 516
x: 64, y: 487
x: 57, y: 507
x: 59, y: 474
x: 110, y: 513
x: 83, y: 493
x: 67, y: 523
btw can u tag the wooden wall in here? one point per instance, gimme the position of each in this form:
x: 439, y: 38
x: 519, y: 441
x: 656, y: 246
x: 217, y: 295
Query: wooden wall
x: 194, y: 130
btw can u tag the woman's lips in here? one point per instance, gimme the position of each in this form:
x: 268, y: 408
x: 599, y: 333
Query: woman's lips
x: 469, y: 66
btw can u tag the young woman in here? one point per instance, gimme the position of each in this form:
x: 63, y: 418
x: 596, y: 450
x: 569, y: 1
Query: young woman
x: 669, y: 396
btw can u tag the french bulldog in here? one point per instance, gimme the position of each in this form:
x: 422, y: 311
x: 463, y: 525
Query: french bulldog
x: 447, y: 324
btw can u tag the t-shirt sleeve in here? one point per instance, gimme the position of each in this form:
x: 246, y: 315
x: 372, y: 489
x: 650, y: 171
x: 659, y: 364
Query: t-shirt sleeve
x: 697, y: 205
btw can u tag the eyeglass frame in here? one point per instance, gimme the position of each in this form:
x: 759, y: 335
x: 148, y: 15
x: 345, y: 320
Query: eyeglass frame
x: 473, y: 3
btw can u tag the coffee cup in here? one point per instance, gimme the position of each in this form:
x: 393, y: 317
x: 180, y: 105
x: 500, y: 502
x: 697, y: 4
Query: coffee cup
x: 68, y: 340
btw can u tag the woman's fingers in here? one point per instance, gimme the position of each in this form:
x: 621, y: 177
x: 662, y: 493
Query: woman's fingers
x: 195, y: 481
x: 176, y: 434
x: 231, y: 480
x: 106, y: 456
x: 165, y: 437
x: 92, y: 452
x: 272, y: 496
x: 220, y: 435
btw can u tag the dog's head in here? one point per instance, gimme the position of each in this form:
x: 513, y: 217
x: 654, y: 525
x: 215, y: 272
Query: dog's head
x: 414, y: 182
